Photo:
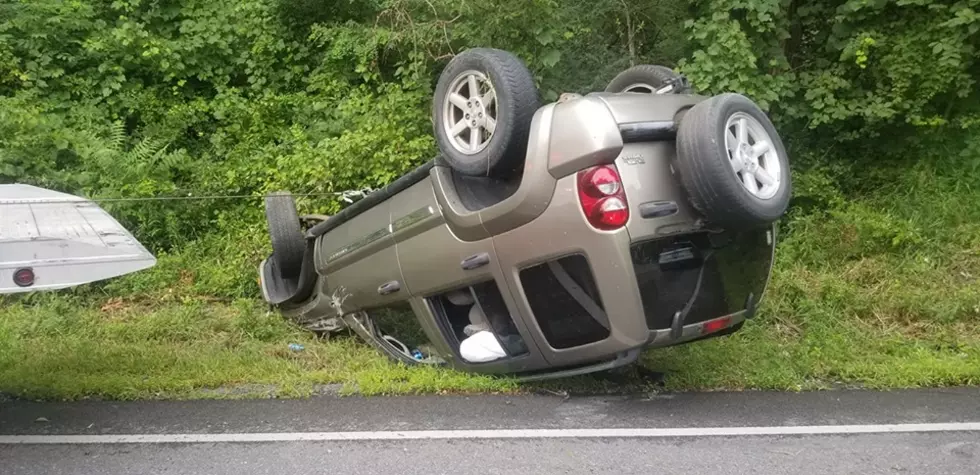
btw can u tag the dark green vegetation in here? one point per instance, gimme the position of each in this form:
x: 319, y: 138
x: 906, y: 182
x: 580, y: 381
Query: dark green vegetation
x: 878, y: 274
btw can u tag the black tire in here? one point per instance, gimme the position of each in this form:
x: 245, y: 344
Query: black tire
x: 643, y: 78
x: 705, y: 168
x: 288, y: 243
x: 517, y: 100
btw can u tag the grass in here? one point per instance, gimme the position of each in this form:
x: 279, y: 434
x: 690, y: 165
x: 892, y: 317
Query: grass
x: 881, y: 292
x: 186, y: 349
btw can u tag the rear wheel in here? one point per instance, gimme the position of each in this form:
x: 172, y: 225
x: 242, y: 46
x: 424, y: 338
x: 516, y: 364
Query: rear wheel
x: 482, y: 112
x: 288, y: 243
x: 645, y: 79
x: 732, y: 163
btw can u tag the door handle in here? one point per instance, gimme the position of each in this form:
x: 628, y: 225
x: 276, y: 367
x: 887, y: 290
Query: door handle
x: 389, y: 287
x: 476, y: 260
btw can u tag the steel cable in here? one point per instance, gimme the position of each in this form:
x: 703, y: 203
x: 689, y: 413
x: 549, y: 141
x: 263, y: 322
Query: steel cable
x: 347, y: 196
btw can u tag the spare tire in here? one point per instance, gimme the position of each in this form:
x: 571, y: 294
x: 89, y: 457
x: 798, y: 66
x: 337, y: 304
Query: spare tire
x: 644, y: 78
x: 732, y: 163
x: 482, y: 110
x: 288, y: 242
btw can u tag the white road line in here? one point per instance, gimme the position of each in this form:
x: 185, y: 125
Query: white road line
x: 488, y: 434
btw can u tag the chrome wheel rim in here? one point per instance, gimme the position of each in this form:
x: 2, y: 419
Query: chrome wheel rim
x: 752, y: 156
x: 470, y: 112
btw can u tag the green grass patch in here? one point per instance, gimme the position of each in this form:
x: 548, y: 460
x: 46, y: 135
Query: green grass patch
x: 189, y: 349
x: 818, y: 330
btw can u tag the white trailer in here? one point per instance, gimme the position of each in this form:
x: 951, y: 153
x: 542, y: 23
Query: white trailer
x: 51, y: 240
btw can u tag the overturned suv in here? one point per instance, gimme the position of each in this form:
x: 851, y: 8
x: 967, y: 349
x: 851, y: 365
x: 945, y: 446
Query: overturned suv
x: 547, y: 239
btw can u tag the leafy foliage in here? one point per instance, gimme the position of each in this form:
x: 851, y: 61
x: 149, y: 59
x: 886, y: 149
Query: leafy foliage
x: 854, y: 68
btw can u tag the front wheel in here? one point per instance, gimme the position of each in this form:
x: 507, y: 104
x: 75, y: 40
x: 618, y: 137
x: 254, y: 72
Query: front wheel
x: 288, y: 243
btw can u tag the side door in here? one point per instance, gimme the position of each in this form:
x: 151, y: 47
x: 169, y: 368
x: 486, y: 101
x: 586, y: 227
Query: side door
x: 432, y: 258
x: 360, y: 262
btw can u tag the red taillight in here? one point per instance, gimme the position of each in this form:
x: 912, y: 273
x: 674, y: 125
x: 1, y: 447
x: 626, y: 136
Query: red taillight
x: 601, y: 194
x: 24, y: 277
x: 712, y: 326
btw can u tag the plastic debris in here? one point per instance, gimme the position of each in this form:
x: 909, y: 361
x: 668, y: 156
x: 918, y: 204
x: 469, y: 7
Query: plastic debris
x: 417, y: 354
x: 481, y: 347
x: 296, y: 347
x: 403, y: 348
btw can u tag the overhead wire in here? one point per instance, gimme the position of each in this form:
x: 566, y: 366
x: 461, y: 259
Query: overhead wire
x: 347, y: 195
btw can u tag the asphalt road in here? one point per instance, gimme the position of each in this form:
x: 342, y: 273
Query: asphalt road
x: 682, y: 433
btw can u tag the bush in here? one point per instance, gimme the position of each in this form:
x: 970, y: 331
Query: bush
x: 885, y: 70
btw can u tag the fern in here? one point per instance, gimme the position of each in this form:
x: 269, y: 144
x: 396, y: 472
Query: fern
x: 172, y: 160
x: 146, y: 150
x: 117, y: 136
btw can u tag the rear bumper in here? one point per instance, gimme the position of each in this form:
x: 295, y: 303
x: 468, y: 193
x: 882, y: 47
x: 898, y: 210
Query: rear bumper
x: 698, y: 331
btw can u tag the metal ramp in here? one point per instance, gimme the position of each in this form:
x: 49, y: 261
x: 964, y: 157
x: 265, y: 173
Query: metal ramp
x: 51, y: 240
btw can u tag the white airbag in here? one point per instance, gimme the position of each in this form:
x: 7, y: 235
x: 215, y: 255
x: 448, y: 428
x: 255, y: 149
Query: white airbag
x: 481, y: 347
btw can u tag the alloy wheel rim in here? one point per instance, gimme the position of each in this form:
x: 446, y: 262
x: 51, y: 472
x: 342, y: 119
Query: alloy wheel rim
x: 752, y: 156
x: 470, y: 112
